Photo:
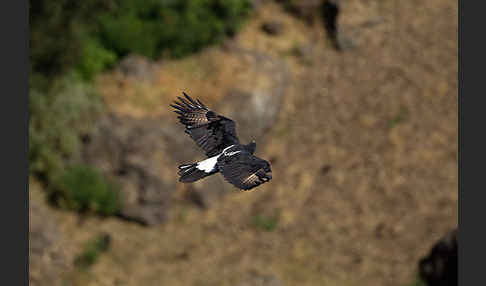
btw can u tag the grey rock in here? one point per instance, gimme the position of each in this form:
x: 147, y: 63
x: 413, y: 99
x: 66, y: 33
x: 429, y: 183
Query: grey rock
x: 342, y: 34
x: 256, y: 114
x: 148, y: 215
x: 345, y: 41
x: 136, y: 66
x: 125, y: 149
x: 255, y: 108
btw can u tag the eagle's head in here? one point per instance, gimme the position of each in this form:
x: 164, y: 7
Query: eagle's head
x: 251, y: 147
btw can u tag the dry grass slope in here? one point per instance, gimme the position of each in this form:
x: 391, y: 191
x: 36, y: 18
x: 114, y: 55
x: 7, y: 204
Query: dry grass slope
x: 391, y: 190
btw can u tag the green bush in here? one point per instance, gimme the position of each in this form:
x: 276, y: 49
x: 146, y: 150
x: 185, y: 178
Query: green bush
x: 84, y: 189
x: 92, y: 250
x: 175, y: 28
x: 94, y: 58
x: 125, y: 34
x: 58, y: 120
x: 265, y: 223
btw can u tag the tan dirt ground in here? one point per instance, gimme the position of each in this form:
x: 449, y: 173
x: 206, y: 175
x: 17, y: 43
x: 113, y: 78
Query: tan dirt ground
x: 382, y: 116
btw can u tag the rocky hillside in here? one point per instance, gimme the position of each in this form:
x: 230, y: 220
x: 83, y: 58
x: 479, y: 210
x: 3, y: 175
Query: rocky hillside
x: 358, y: 119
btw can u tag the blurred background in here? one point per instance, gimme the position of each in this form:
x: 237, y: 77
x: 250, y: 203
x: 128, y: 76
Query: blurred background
x: 354, y: 103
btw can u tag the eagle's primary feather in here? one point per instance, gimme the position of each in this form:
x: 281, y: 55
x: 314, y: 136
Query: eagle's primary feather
x: 216, y: 135
x: 210, y: 131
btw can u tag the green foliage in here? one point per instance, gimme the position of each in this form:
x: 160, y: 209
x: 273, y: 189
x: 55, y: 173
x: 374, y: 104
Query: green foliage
x: 58, y: 120
x: 265, y: 223
x: 92, y: 250
x: 83, y: 189
x: 94, y: 59
x: 175, y: 28
x: 127, y: 33
x: 90, y: 35
x: 63, y: 36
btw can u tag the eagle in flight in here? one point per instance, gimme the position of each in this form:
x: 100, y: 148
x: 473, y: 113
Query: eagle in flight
x: 216, y: 135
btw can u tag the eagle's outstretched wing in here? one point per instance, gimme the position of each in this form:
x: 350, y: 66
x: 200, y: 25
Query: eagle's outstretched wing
x: 210, y: 131
x: 244, y: 170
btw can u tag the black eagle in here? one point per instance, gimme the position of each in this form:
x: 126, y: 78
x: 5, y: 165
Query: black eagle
x: 216, y: 135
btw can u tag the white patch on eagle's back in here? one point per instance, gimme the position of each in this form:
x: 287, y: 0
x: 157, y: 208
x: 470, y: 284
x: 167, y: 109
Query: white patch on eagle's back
x: 208, y: 164
x: 227, y: 148
x: 231, y: 153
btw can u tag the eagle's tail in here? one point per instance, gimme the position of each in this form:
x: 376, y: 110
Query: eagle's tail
x: 192, y: 172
